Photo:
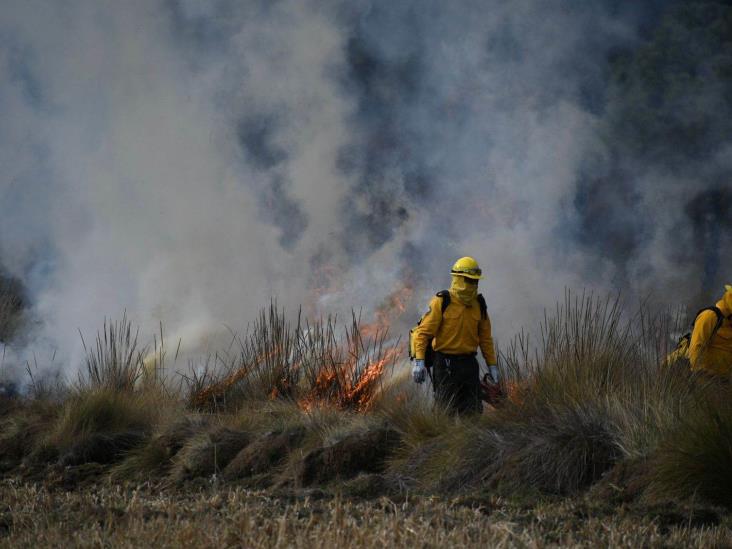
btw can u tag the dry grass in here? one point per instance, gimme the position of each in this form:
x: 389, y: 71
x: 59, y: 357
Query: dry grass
x: 102, y: 425
x: 154, y: 459
x: 21, y: 428
x: 695, y: 457
x: 592, y: 396
x: 585, y: 408
x: 312, y: 363
x: 115, y: 363
x: 218, y: 517
x: 11, y: 308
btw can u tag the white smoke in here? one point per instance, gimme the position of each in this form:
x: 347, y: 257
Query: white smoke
x: 187, y: 161
x: 144, y: 204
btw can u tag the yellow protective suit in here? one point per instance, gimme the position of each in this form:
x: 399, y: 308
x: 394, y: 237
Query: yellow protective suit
x: 461, y: 330
x: 709, y: 353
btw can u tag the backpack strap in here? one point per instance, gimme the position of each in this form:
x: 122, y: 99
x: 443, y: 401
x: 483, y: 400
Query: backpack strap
x: 445, y: 295
x: 483, y: 307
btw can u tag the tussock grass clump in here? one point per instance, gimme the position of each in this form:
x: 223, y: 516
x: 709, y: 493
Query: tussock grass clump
x: 593, y: 394
x: 561, y: 452
x: 101, y: 425
x: 271, y: 355
x: 21, y: 430
x: 208, y: 453
x: 694, y: 460
x: 298, y: 406
x: 206, y: 444
x: 104, y: 410
x: 556, y: 434
x: 587, y: 353
x: 265, y: 366
x: 411, y: 410
x: 156, y: 456
x: 347, y: 374
x: 266, y: 454
x: 588, y: 386
x: 352, y: 454
x: 308, y: 363
x: 115, y: 362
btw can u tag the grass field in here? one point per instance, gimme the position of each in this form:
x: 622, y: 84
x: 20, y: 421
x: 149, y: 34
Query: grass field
x: 305, y: 437
x: 111, y: 515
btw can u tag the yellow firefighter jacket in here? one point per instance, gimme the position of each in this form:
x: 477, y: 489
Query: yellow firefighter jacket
x: 712, y: 355
x: 459, y: 331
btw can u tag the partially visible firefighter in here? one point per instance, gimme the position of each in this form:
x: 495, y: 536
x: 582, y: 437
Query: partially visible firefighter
x: 444, y: 344
x: 710, y: 349
x: 709, y: 345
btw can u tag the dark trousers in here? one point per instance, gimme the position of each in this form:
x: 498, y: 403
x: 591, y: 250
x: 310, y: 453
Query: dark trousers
x: 457, y: 384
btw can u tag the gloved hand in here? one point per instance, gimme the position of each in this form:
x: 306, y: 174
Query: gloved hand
x: 419, y: 372
x: 493, y: 371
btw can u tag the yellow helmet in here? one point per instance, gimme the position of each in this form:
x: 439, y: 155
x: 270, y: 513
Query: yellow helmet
x: 728, y: 287
x: 467, y: 267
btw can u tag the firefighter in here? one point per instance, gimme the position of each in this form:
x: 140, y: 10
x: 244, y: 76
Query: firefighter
x: 455, y: 335
x: 710, y: 349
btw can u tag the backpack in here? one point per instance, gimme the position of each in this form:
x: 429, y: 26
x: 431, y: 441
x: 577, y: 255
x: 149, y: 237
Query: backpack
x: 429, y: 355
x: 682, y: 347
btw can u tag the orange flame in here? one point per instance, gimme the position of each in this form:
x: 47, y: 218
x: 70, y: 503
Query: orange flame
x: 217, y: 390
x: 515, y: 391
x: 334, y: 386
x: 390, y: 309
x: 210, y: 394
x: 362, y: 393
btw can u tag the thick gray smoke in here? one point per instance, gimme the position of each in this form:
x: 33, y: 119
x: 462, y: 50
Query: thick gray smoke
x: 186, y: 161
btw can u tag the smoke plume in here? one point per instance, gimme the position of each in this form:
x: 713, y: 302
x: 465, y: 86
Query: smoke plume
x: 188, y: 161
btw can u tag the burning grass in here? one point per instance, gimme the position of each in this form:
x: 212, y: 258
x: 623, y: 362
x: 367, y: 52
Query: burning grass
x: 308, y: 363
x: 590, y: 411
